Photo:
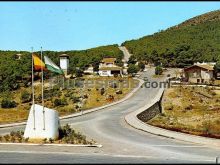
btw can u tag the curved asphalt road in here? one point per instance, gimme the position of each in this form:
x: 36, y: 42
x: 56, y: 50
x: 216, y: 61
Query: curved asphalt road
x: 121, y: 143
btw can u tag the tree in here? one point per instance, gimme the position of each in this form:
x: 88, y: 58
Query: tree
x: 158, y: 70
x: 132, y: 69
x: 180, y: 45
x: 6, y: 103
x: 216, y: 68
x: 132, y: 60
x: 141, y: 65
x: 25, y: 97
x: 79, y: 73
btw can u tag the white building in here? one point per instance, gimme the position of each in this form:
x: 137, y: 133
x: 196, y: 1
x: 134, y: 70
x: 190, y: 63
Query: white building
x: 89, y: 70
x: 107, y: 67
x: 199, y: 73
x: 64, y: 63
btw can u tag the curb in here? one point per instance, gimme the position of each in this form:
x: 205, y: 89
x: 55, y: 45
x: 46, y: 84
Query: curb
x: 132, y: 120
x: 87, y: 111
x: 59, y: 145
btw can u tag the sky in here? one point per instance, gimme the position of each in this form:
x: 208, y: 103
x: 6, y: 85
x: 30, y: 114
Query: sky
x: 79, y: 25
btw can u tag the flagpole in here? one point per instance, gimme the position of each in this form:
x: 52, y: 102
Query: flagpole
x: 32, y: 76
x: 42, y: 89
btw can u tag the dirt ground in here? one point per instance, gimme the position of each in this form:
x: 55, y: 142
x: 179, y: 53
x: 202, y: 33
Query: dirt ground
x: 194, y: 110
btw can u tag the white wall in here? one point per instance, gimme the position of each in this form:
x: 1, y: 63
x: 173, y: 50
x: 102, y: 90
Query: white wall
x: 105, y: 73
x: 206, y: 74
x: 64, y: 63
x: 51, y: 123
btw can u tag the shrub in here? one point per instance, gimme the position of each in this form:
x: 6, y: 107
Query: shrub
x: 85, y: 96
x: 189, y: 107
x: 67, y: 94
x: 169, y: 107
x: 119, y: 92
x: 8, y: 103
x: 206, y: 127
x: 26, y: 140
x: 60, y: 102
x: 141, y: 66
x: 102, y: 91
x: 7, y: 138
x: 44, y: 140
x: 25, y: 97
x: 79, y: 73
x: 51, y: 140
x: 158, y: 70
x: 132, y: 69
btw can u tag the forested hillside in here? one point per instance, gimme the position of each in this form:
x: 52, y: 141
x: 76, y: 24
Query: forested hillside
x: 13, y: 70
x: 197, y: 39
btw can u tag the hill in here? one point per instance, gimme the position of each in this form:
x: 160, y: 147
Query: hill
x: 12, y: 70
x: 196, y: 39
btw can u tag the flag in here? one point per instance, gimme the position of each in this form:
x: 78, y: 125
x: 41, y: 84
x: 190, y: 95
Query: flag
x: 38, y: 64
x: 50, y: 65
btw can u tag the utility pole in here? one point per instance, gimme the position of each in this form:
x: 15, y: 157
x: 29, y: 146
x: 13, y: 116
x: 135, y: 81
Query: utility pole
x: 32, y: 76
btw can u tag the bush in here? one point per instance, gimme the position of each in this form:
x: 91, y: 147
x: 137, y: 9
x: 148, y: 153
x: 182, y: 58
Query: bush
x: 51, y: 140
x: 168, y: 107
x: 60, y: 102
x: 158, y: 70
x: 8, y: 103
x: 141, y: 66
x: 44, y: 140
x: 25, y: 97
x: 102, y: 91
x: 85, y: 96
x: 190, y: 107
x: 132, y: 69
x: 79, y: 73
x: 75, y: 99
x: 119, y: 92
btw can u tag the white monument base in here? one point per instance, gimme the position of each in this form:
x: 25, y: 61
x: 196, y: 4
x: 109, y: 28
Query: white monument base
x: 39, y: 129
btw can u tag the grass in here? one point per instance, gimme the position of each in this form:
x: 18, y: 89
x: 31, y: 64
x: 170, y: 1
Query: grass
x: 157, y: 76
x: 194, y: 110
x: 93, y: 99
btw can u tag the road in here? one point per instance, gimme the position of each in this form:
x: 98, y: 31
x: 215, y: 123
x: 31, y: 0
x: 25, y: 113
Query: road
x: 121, y: 143
x: 125, y: 52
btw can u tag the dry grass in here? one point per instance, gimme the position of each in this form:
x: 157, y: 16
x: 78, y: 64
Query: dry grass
x: 95, y: 99
x: 194, y: 110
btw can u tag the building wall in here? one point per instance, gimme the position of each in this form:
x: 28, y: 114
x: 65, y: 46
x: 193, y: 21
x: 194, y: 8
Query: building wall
x: 105, y: 73
x: 64, y: 63
x: 206, y: 74
x: 195, y: 74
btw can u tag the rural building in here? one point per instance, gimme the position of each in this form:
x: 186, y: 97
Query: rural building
x: 88, y: 70
x: 107, y: 67
x: 199, y: 73
x: 64, y: 63
x: 18, y: 56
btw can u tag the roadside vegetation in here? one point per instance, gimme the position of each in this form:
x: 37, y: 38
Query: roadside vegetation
x: 66, y: 136
x: 15, y: 105
x: 193, y: 110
